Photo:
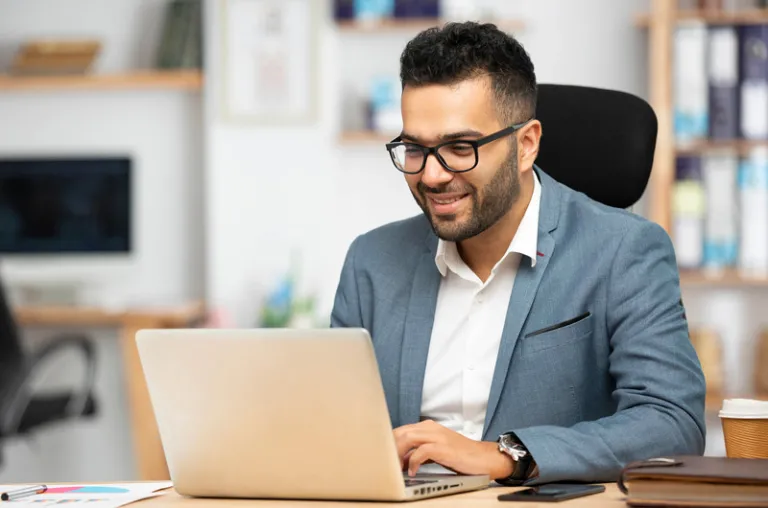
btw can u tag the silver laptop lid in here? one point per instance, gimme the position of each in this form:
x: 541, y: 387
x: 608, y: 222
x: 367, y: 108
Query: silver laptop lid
x: 272, y: 413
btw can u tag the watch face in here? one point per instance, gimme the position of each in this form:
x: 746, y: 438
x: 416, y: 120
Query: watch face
x: 508, y: 440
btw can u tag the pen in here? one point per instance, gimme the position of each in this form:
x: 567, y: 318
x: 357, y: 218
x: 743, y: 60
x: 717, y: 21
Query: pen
x: 20, y: 493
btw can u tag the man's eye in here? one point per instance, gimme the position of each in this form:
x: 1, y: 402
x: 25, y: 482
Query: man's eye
x: 462, y: 149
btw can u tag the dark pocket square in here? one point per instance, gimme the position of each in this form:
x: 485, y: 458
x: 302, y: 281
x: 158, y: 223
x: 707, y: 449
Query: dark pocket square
x: 559, y: 325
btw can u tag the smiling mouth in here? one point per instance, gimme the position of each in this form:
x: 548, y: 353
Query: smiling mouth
x: 446, y: 205
x: 447, y: 201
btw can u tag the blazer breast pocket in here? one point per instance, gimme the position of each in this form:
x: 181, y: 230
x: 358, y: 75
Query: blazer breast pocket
x: 559, y: 334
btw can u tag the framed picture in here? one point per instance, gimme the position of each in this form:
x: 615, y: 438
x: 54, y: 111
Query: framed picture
x: 270, y: 61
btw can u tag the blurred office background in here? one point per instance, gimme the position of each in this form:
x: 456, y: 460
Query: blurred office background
x: 212, y: 160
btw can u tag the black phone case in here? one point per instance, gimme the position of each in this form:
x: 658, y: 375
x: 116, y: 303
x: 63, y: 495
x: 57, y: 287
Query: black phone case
x: 587, y: 490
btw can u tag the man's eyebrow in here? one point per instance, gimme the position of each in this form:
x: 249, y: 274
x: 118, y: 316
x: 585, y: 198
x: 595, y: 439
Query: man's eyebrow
x: 450, y: 136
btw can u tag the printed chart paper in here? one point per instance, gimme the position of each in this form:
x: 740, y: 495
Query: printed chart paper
x: 107, y: 495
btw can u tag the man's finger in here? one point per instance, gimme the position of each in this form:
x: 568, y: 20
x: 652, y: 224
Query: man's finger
x: 406, y: 441
x: 404, y: 460
x: 409, y: 427
x: 421, y: 455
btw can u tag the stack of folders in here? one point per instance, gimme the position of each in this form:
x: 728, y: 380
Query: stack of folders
x: 697, y: 481
x: 720, y: 203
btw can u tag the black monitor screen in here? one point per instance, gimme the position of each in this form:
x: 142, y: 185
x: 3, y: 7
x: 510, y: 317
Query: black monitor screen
x: 53, y: 206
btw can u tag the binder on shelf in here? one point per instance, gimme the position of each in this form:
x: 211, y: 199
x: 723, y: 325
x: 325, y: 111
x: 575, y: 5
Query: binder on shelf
x: 417, y: 9
x: 344, y: 9
x: 723, y: 66
x: 374, y: 10
x: 753, y: 213
x: 181, y: 39
x: 753, y: 42
x: 721, y: 225
x: 688, y: 212
x: 690, y: 88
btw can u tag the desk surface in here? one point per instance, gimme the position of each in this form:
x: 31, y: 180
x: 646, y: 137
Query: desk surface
x: 611, y: 498
x: 160, y: 316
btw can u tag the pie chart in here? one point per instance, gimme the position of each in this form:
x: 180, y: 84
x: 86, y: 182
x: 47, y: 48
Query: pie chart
x: 86, y: 489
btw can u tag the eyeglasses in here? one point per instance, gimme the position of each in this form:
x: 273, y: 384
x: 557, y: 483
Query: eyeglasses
x: 455, y: 156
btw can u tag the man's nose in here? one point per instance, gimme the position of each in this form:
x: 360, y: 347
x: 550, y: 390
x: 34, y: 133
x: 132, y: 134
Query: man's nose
x: 434, y: 174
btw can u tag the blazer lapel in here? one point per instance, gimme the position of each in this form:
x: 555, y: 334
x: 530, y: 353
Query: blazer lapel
x: 418, y: 331
x: 524, y: 290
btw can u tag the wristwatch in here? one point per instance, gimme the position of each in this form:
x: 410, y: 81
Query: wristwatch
x: 524, y: 463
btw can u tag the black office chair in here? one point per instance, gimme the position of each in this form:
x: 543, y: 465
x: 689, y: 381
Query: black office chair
x: 596, y: 141
x: 22, y: 411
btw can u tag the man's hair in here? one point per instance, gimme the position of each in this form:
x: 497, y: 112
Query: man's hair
x: 461, y: 51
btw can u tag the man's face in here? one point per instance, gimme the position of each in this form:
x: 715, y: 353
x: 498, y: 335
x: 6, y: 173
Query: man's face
x: 460, y: 205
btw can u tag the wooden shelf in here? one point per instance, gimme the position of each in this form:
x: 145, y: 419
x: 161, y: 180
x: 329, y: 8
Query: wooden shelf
x: 728, y: 278
x: 171, y: 80
x: 744, y: 17
x: 410, y: 24
x: 741, y: 147
x: 360, y: 137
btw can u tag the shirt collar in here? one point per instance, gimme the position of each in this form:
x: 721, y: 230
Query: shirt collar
x: 524, y: 242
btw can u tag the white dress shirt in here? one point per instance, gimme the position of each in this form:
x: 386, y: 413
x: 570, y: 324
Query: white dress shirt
x: 469, y: 320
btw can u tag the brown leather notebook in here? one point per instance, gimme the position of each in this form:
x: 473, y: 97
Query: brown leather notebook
x: 696, y: 481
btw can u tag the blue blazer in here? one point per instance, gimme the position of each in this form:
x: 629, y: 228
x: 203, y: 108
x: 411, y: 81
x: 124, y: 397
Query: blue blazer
x: 621, y: 383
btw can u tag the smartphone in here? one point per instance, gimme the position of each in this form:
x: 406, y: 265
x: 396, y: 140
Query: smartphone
x: 553, y: 492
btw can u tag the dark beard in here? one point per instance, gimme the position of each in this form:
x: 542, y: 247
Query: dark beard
x: 498, y: 197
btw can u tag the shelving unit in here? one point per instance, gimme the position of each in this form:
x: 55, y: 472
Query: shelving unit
x: 661, y: 22
x: 742, y: 147
x: 191, y: 80
x: 728, y: 278
x: 359, y: 137
x: 409, y: 24
x: 745, y: 17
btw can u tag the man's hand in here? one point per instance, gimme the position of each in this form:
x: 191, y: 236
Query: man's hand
x: 429, y: 441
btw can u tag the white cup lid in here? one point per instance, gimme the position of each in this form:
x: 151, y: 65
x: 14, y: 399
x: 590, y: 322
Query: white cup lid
x: 744, y: 408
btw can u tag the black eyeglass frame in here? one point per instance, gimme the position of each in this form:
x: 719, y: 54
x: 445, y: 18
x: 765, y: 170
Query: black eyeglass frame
x: 426, y: 150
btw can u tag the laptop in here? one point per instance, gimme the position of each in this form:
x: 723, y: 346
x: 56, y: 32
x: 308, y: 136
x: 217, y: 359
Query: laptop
x: 278, y: 414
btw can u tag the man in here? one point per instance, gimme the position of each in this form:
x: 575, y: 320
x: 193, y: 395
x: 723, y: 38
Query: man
x: 522, y: 330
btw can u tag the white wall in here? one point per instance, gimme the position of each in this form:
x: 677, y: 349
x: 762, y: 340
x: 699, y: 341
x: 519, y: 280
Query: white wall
x: 162, y: 131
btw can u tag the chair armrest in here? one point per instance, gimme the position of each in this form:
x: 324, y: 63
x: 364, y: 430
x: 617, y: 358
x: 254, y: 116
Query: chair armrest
x: 21, y: 397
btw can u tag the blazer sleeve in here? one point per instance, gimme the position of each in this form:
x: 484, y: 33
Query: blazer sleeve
x: 346, y: 305
x: 659, y: 385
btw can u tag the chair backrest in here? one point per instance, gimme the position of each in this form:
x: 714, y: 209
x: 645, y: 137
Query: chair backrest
x: 11, y: 351
x: 596, y: 141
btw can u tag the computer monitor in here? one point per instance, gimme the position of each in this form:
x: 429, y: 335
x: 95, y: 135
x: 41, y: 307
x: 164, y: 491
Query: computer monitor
x: 65, y: 205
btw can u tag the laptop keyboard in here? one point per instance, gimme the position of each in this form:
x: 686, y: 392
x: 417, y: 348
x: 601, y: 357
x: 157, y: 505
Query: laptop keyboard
x: 412, y: 482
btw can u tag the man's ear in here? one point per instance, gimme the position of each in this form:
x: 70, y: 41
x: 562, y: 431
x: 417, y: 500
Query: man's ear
x: 528, y: 139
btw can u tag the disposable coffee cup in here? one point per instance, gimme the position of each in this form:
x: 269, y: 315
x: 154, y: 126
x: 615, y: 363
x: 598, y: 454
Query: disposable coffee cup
x: 745, y: 427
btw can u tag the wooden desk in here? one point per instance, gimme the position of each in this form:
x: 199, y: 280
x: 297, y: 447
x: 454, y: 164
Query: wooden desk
x: 148, y: 449
x: 611, y: 498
